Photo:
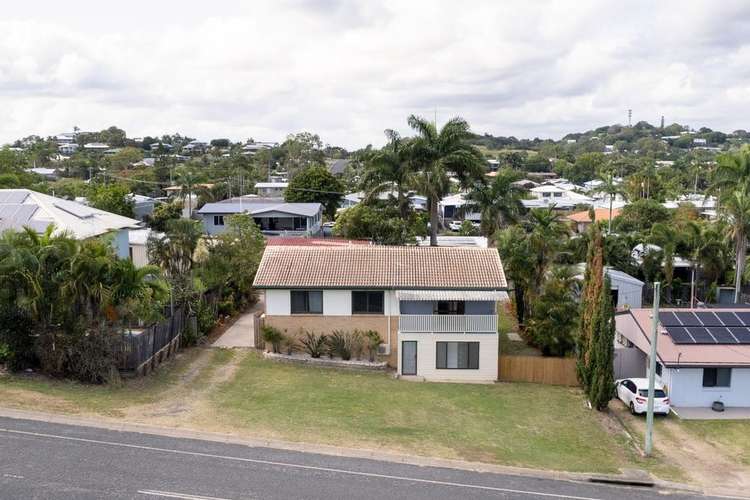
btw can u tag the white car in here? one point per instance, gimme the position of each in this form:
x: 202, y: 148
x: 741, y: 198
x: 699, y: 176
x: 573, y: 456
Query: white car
x: 455, y: 225
x: 634, y: 393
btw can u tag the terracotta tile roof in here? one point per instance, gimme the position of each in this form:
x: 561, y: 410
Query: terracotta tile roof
x: 302, y: 241
x: 599, y: 214
x: 357, y: 266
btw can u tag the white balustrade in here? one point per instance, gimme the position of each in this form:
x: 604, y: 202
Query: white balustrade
x: 448, y: 323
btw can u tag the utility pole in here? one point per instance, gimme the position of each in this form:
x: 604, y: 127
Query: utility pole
x: 630, y: 118
x: 652, y: 372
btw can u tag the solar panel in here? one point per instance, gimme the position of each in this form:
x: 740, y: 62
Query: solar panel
x: 708, y: 319
x: 744, y: 317
x: 679, y: 335
x: 722, y: 335
x: 742, y: 333
x: 728, y: 318
x: 687, y: 318
x: 667, y: 318
x: 701, y: 335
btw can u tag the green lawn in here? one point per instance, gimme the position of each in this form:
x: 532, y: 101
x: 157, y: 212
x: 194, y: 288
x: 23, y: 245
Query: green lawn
x: 515, y: 424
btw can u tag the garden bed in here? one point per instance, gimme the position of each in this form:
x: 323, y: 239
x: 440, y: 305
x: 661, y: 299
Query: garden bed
x: 306, y: 359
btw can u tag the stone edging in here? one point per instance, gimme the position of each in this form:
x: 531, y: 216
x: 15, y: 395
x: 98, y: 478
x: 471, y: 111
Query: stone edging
x: 326, y: 362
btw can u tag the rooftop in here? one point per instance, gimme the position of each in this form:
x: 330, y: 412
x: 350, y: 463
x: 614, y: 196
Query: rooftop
x: 25, y: 208
x: 257, y: 208
x: 599, y: 214
x: 360, y: 266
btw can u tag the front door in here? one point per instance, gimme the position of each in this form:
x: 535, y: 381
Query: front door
x: 409, y: 357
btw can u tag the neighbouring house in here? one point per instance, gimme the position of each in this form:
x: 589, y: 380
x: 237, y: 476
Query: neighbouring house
x: 21, y: 208
x: 253, y: 147
x: 703, y: 355
x: 627, y: 291
x: 454, y: 241
x: 96, y: 146
x: 453, y: 208
x: 67, y: 148
x: 195, y: 147
x: 272, y: 215
x: 416, y: 201
x: 338, y: 167
x: 561, y: 198
x: 582, y: 220
x: 49, y: 174
x: 271, y: 189
x: 138, y: 243
x: 143, y: 206
x: 434, y: 307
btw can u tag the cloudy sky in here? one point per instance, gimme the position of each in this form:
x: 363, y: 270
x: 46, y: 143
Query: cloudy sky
x: 347, y: 69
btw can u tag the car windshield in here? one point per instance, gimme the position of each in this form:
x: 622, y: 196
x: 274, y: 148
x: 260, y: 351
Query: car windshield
x: 658, y: 393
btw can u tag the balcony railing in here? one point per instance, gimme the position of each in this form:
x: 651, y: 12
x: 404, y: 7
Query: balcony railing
x: 447, y: 323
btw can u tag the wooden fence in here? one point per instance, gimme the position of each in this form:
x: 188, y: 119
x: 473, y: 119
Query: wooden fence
x: 538, y: 369
x: 141, y: 350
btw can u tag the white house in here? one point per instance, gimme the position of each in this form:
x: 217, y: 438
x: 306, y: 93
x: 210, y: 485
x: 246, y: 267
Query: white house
x: 271, y: 189
x: 21, y: 208
x: 452, y: 208
x: 273, y: 216
x: 434, y: 307
x: 703, y: 355
x: 627, y: 291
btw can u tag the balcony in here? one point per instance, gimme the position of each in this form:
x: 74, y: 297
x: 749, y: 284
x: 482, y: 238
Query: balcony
x: 447, y: 323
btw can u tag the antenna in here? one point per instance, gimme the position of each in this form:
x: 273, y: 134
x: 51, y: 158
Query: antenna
x: 630, y: 117
x: 662, y: 122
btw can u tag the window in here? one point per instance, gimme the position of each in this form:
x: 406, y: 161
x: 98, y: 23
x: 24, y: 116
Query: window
x: 218, y: 220
x: 448, y: 307
x: 458, y: 355
x: 717, y: 377
x: 307, y: 301
x: 658, y: 368
x: 658, y: 393
x: 367, y: 302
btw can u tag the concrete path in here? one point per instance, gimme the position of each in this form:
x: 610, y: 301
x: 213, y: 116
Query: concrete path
x: 709, y: 414
x: 54, y: 461
x: 240, y: 334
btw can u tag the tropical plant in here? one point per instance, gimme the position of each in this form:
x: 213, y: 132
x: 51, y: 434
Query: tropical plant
x: 436, y: 156
x: 547, y: 234
x: 736, y: 210
x: 272, y: 336
x: 373, y: 341
x: 339, y: 344
x: 668, y: 237
x: 498, y: 202
x: 611, y: 188
x: 314, y: 344
x: 289, y: 343
x: 555, y: 315
x: 316, y: 184
x: 389, y: 170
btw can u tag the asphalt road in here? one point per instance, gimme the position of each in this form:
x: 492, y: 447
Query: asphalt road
x: 52, y: 461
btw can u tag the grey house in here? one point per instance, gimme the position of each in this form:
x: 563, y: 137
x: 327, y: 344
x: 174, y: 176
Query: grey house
x: 274, y: 217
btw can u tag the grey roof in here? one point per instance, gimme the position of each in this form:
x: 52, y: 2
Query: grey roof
x: 298, y: 209
x: 338, y: 166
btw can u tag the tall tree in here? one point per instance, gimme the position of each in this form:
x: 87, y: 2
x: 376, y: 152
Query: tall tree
x: 593, y: 284
x: 668, y: 236
x: 498, y: 202
x: 736, y: 210
x: 389, y: 170
x: 601, y: 351
x: 438, y: 155
x: 316, y: 185
x: 611, y: 188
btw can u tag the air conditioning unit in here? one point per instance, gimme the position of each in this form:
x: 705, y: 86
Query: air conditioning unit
x: 384, y: 349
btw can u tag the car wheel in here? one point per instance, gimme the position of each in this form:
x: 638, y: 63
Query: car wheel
x: 632, y: 409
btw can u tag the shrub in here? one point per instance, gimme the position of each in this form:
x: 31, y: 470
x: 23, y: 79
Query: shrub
x: 272, y: 336
x: 373, y: 341
x: 289, y: 342
x: 5, y: 353
x: 358, y: 344
x: 340, y: 344
x: 17, y: 336
x: 205, y: 318
x: 314, y: 344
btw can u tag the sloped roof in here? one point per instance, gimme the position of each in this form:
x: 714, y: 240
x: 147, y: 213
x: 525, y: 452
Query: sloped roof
x: 298, y: 209
x: 635, y: 325
x: 357, y: 266
x: 599, y: 214
x: 25, y: 208
x: 338, y: 166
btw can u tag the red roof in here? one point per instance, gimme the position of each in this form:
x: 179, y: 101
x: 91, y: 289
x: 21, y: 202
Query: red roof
x: 599, y: 214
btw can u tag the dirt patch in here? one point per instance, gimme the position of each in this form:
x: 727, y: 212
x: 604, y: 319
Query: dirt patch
x: 705, y: 464
x: 19, y: 398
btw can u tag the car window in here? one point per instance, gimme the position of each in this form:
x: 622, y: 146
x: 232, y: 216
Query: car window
x: 630, y: 385
x: 658, y: 393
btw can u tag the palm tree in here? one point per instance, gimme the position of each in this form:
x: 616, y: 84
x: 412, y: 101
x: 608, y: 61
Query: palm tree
x: 611, y: 189
x: 546, y: 236
x: 187, y: 179
x: 706, y: 251
x: 498, y: 202
x: 436, y: 156
x: 389, y: 169
x: 736, y: 209
x: 667, y: 236
x: 731, y: 169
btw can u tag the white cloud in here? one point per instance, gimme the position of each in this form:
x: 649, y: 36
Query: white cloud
x: 347, y: 70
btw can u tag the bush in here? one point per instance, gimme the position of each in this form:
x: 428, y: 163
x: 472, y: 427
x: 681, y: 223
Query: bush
x: 17, y: 338
x: 358, y: 344
x: 86, y: 355
x: 340, y: 344
x: 373, y: 341
x: 5, y: 353
x: 289, y: 343
x: 205, y: 320
x: 314, y: 344
x: 272, y: 336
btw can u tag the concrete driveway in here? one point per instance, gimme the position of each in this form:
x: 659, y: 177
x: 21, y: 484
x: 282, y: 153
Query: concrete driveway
x: 241, y: 333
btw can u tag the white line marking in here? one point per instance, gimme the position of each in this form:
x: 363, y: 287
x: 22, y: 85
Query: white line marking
x: 13, y: 476
x: 171, y: 494
x: 297, y: 466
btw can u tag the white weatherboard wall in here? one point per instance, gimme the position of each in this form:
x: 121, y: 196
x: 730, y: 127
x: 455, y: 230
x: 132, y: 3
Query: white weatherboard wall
x: 337, y: 302
x: 628, y: 294
x: 427, y: 356
x: 278, y: 303
x: 685, y: 388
